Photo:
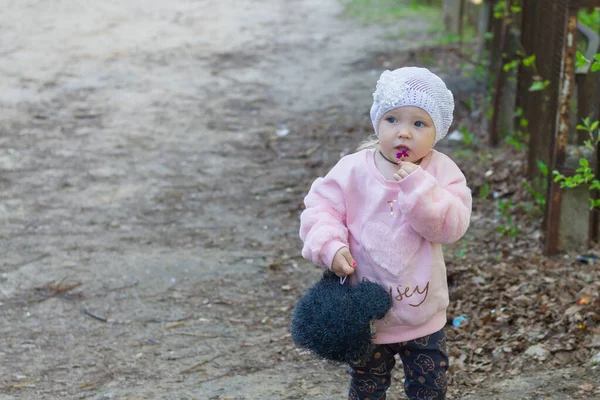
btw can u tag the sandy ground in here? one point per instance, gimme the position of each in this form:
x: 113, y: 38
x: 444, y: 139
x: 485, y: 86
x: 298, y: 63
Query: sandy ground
x: 133, y: 164
x: 153, y: 158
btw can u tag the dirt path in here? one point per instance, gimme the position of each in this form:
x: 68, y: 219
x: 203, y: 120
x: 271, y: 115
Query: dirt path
x: 153, y: 159
x: 144, y: 224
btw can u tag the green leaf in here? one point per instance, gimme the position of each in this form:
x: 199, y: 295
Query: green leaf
x: 584, y: 162
x: 542, y: 167
x: 595, y: 67
x: 539, y: 85
x: 582, y: 128
x: 511, y: 65
x: 597, y: 57
x: 594, y: 203
x: 529, y: 61
x: 594, y: 125
x: 499, y: 9
x: 484, y: 191
x: 580, y: 61
x: 515, y: 143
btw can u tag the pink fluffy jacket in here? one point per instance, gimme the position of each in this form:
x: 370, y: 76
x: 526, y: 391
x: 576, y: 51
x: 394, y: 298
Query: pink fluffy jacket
x: 395, y: 231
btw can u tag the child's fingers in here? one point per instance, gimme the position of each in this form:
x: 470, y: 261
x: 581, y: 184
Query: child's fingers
x: 347, y: 269
x: 401, y: 174
x: 343, y: 263
x: 343, y: 269
x: 409, y: 167
x: 405, y: 170
x: 351, y: 262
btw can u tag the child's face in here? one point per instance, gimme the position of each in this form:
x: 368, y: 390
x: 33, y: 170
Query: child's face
x: 406, y: 128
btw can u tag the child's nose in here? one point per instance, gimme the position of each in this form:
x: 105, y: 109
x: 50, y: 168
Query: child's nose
x: 404, y: 133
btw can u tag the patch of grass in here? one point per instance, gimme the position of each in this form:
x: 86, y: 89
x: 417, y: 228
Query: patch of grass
x: 463, y: 154
x: 437, y: 27
x: 427, y: 59
x: 435, y: 31
x: 450, y: 38
x: 388, y: 11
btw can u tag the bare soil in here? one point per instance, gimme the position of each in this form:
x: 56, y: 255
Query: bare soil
x: 153, y: 161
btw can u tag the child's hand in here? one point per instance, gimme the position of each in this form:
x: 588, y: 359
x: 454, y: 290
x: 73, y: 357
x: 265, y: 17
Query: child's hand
x: 406, y: 168
x: 343, y: 263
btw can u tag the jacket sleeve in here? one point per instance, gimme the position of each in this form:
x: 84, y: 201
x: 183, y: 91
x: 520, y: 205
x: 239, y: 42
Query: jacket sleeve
x: 323, y: 223
x: 438, y: 208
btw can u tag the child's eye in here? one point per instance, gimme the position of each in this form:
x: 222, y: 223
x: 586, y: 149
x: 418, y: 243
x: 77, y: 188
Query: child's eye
x: 420, y: 124
x: 391, y: 120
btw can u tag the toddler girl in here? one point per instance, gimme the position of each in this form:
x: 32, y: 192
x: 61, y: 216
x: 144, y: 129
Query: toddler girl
x: 382, y: 215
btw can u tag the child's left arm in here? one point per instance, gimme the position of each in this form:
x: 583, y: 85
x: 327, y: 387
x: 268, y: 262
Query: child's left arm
x: 437, y: 207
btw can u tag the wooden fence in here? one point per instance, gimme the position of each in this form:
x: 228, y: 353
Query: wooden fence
x: 548, y: 29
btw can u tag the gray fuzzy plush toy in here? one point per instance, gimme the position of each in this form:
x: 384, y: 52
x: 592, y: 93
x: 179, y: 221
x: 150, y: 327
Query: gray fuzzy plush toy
x: 334, y: 321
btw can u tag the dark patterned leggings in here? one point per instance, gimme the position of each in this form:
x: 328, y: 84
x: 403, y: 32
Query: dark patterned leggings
x: 425, y: 362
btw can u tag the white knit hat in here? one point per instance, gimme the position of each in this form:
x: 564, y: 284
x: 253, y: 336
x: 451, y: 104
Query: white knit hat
x: 413, y: 86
